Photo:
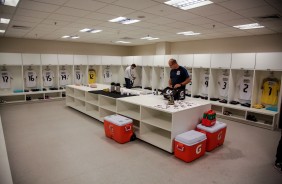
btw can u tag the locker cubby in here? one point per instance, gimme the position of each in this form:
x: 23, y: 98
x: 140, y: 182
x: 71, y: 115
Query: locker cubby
x: 128, y: 109
x: 217, y: 109
x: 236, y: 113
x: 98, y: 71
x: 79, y: 94
x: 55, y: 70
x: 35, y: 97
x: 114, y: 72
x: 166, y: 76
x: 147, y: 76
x: 158, y: 78
x: 136, y: 125
x: 37, y: 78
x: 104, y: 112
x: 70, y: 101
x: 53, y: 95
x: 214, y: 87
x: 189, y: 86
x: 79, y: 104
x: 261, y: 118
x: 107, y: 103
x: 69, y: 70
x: 70, y: 91
x: 83, y: 76
x: 199, y: 81
x: 138, y: 75
x: 12, y: 98
x: 92, y: 110
x: 16, y: 82
x: 92, y: 98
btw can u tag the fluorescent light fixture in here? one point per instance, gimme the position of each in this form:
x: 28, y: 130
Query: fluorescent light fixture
x: 122, y: 42
x: 2, y: 31
x: 71, y: 37
x: 249, y: 26
x: 66, y: 36
x: 9, y: 2
x: 188, y: 4
x: 149, y: 38
x: 4, y: 21
x: 88, y: 30
x: 124, y: 20
x: 188, y: 33
x: 74, y: 37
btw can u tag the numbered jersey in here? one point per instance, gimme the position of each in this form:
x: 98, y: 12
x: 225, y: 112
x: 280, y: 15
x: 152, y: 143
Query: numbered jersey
x: 245, y: 87
x: 205, y: 84
x: 78, y: 77
x: 223, y: 85
x: 107, y: 76
x: 91, y: 76
x: 270, y: 92
x: 30, y: 78
x: 64, y: 77
x: 48, y: 78
x: 5, y: 81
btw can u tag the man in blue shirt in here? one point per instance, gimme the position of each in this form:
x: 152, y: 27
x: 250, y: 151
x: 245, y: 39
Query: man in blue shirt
x: 179, y: 76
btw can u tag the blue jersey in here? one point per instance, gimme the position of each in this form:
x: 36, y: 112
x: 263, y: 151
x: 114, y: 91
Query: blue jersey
x: 178, y: 76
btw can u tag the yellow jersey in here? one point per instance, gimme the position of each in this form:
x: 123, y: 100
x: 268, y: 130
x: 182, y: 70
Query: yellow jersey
x: 270, y: 92
x: 91, y: 76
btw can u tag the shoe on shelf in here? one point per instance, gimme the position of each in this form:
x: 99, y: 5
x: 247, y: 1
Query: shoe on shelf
x: 251, y: 118
x: 233, y: 102
x: 246, y: 105
x: 258, y: 106
x: 278, y: 166
x: 227, y: 113
x: 223, y: 101
x: 214, y: 99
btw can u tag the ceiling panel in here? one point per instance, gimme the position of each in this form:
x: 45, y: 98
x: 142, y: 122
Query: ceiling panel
x: 57, y: 2
x: 161, y: 20
x: 225, y: 16
x: 115, y: 10
x: 72, y: 11
x: 161, y: 10
x: 63, y: 17
x: 259, y: 11
x: 209, y: 10
x: 85, y: 4
x: 27, y: 19
x: 135, y: 4
x: 31, y: 13
x: 183, y: 16
x: 33, y: 5
x: 242, y: 4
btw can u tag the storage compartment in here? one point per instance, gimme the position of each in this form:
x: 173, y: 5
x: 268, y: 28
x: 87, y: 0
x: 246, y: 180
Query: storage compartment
x: 260, y: 118
x: 128, y: 109
x: 104, y: 113
x: 79, y: 105
x: 92, y: 98
x: 69, y: 101
x: 92, y: 110
x: 79, y: 94
x: 53, y: 95
x: 235, y: 113
x: 107, y: 103
x: 38, y: 96
x: 12, y: 99
x: 217, y: 109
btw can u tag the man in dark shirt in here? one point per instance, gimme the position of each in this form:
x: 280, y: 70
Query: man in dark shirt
x: 179, y: 76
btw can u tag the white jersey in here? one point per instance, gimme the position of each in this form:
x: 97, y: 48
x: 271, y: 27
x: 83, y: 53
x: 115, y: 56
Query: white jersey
x: 64, y: 77
x: 48, y: 78
x: 107, y: 76
x: 78, y: 77
x: 205, y: 84
x: 5, y: 81
x: 189, y: 85
x: 223, y: 82
x: 245, y: 87
x: 128, y: 73
x: 30, y: 78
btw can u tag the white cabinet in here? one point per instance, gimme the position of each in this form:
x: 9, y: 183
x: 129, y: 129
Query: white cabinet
x: 80, y: 60
x: 168, y: 57
x: 269, y: 61
x: 147, y: 60
x: 127, y: 60
x: 31, y: 59
x: 111, y: 60
x: 94, y: 60
x: 137, y: 60
x: 243, y: 61
x: 202, y: 61
x: 221, y: 61
x: 159, y: 60
x: 65, y: 59
x: 186, y: 60
x: 10, y: 59
x: 49, y: 59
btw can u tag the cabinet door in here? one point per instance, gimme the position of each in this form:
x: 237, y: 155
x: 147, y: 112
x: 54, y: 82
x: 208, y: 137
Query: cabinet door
x: 186, y: 60
x: 80, y: 60
x: 147, y: 60
x: 10, y: 59
x: 202, y: 60
x: 31, y: 59
x: 111, y: 60
x: 94, y: 60
x: 49, y: 59
x: 269, y: 61
x: 65, y: 59
x: 221, y: 61
x: 127, y: 60
x: 137, y: 60
x: 159, y: 60
x: 243, y: 61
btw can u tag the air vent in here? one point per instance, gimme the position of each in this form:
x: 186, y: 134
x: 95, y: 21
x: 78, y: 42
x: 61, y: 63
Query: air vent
x: 268, y: 18
x: 20, y: 27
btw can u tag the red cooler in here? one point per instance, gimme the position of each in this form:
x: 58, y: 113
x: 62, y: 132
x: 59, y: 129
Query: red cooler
x: 215, y: 134
x: 190, y: 145
x: 119, y: 128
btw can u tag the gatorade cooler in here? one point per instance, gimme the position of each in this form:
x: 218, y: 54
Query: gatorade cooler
x: 190, y: 145
x: 119, y: 128
x: 215, y: 134
x: 209, y: 118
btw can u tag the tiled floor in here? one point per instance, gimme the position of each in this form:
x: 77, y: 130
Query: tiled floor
x: 53, y: 144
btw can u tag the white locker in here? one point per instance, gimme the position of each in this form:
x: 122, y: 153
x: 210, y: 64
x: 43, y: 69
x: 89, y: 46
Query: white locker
x: 49, y: 59
x: 243, y: 61
x: 202, y: 60
x: 31, y: 59
x: 10, y: 59
x: 159, y: 60
x: 111, y: 60
x: 94, y: 60
x: 221, y: 61
x: 80, y: 60
x: 127, y: 60
x: 269, y: 61
x: 186, y: 60
x: 147, y: 60
x: 65, y: 59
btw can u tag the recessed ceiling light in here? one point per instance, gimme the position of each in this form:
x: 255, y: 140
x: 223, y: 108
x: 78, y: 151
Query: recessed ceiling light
x: 4, y: 21
x: 88, y: 30
x: 9, y: 2
x: 249, y: 26
x: 188, y: 4
x: 122, y: 42
x: 66, y: 36
x: 74, y: 37
x: 148, y: 38
x: 124, y: 20
x: 71, y: 37
x: 2, y: 31
x: 188, y: 33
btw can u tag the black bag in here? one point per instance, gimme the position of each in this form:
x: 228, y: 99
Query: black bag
x: 178, y: 93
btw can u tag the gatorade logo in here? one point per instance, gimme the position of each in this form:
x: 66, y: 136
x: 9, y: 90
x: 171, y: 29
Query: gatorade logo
x: 219, y: 135
x: 199, y: 149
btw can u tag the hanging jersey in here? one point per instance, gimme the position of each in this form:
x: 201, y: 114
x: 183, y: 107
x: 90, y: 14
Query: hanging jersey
x: 162, y: 74
x: 30, y: 78
x: 107, y: 76
x: 91, y: 76
x: 205, y: 84
x: 270, y: 92
x: 189, y: 85
x: 64, y: 77
x: 223, y: 85
x: 245, y: 87
x: 78, y: 77
x: 48, y: 78
x: 5, y: 81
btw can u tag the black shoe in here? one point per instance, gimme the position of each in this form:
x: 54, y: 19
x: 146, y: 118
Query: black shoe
x: 251, y: 118
x: 234, y: 102
x: 246, y: 105
x: 204, y: 97
x: 227, y: 113
x: 223, y: 101
x: 278, y: 167
x: 214, y: 99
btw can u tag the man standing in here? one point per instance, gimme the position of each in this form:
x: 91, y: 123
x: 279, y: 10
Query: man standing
x: 179, y: 76
x: 129, y: 76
